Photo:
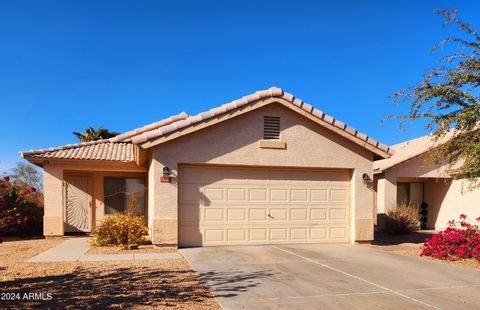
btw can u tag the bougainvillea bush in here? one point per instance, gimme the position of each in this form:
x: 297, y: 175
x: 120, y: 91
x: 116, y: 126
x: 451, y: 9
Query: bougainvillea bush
x: 461, y: 240
x: 16, y: 202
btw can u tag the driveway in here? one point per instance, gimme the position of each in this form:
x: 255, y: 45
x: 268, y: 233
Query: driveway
x: 331, y: 277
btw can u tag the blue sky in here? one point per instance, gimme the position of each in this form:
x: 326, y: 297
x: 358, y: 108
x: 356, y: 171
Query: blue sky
x: 65, y: 65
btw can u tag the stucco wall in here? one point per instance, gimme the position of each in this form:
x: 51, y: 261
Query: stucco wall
x: 446, y: 198
x: 53, y: 200
x: 236, y: 142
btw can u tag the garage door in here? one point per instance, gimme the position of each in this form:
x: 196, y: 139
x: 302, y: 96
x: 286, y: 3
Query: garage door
x: 230, y: 205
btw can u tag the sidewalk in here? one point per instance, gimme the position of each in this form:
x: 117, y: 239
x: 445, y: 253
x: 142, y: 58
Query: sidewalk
x: 75, y: 249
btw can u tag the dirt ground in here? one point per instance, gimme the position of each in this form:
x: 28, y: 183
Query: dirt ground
x: 165, y: 284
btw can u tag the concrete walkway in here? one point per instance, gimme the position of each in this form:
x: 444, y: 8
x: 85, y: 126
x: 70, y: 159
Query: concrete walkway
x: 75, y: 249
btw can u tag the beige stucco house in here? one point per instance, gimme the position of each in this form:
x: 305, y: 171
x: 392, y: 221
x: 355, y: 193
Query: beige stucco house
x: 266, y: 168
x: 407, y: 177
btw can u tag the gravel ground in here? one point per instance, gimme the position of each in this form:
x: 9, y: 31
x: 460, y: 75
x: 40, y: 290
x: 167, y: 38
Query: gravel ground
x: 161, y: 284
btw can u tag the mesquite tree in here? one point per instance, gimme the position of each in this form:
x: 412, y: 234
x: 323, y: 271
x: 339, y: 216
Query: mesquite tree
x: 448, y: 98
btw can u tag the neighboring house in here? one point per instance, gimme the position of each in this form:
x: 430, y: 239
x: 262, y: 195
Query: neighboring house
x: 267, y: 168
x: 408, y: 178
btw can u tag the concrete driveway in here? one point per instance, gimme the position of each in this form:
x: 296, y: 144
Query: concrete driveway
x: 331, y: 277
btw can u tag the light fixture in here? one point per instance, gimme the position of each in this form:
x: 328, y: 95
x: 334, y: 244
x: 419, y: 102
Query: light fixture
x: 166, y: 171
x: 366, y: 178
x: 166, y: 175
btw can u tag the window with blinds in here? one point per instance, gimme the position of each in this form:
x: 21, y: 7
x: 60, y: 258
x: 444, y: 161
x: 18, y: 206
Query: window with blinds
x: 271, y: 128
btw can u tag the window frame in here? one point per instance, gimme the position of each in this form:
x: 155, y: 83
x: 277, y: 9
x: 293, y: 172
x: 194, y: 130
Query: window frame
x: 409, y: 187
x: 145, y: 186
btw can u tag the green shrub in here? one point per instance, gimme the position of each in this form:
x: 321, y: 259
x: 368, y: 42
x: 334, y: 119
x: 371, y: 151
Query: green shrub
x: 402, y: 219
x: 120, y: 229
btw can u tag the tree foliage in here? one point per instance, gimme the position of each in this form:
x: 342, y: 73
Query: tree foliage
x: 92, y: 134
x: 27, y: 174
x: 448, y: 98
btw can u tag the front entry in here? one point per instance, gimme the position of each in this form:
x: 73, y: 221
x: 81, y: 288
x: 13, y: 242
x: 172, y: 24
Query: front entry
x: 78, y: 204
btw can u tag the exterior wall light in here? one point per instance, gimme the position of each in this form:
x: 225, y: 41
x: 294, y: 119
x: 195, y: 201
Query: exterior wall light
x: 366, y: 179
x: 166, y: 175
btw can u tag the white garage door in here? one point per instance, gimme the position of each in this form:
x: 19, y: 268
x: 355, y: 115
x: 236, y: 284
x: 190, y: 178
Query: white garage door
x: 230, y: 205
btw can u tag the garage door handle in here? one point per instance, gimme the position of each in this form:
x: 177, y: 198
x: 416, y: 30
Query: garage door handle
x: 270, y: 216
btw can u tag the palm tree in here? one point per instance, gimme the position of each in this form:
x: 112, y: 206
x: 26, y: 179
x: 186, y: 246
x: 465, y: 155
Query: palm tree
x: 92, y: 134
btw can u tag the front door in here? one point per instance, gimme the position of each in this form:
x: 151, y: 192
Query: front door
x: 78, y: 204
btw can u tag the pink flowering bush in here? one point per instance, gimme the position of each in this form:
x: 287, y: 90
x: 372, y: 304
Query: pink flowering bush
x: 16, y: 201
x: 460, y: 240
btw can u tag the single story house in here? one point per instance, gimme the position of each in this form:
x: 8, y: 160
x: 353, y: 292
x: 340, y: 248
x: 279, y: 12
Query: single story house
x: 407, y: 177
x: 264, y: 169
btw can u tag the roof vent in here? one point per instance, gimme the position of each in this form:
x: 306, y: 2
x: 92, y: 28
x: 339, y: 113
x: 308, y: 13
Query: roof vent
x: 271, y: 128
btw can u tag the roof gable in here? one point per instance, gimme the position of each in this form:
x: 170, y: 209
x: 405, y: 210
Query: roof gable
x: 248, y: 103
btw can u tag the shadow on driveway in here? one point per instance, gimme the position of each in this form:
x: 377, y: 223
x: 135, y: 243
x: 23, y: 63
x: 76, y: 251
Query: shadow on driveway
x: 230, y: 284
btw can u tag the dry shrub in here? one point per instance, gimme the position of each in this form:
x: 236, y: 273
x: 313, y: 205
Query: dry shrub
x: 120, y: 229
x: 403, y: 219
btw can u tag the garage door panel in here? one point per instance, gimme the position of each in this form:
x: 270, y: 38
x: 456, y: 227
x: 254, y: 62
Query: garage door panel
x: 298, y: 214
x: 257, y: 206
x: 338, y: 233
x: 318, y: 214
x: 236, y: 214
x: 257, y: 234
x: 214, y: 235
x: 279, y: 194
x: 257, y: 214
x: 318, y: 234
x: 236, y: 194
x: 236, y: 235
x: 213, y: 214
x: 258, y: 194
x: 278, y: 214
x: 278, y: 234
x: 338, y: 214
x: 299, y: 194
x: 339, y: 195
x: 298, y: 234
x: 213, y: 193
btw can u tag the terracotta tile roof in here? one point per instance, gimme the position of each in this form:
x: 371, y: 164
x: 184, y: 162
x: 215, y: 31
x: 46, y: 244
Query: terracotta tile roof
x: 120, y: 148
x: 408, y: 150
x: 272, y: 92
x: 95, y: 150
x: 127, y: 136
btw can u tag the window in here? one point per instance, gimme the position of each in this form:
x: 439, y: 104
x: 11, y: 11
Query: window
x: 271, y: 128
x: 410, y: 193
x: 123, y: 194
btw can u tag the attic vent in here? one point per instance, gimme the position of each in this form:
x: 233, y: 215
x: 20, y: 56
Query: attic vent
x: 271, y: 128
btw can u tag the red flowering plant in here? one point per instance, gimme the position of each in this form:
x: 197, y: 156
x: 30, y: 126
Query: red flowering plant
x: 461, y: 240
x: 13, y: 198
